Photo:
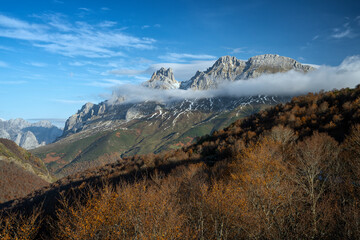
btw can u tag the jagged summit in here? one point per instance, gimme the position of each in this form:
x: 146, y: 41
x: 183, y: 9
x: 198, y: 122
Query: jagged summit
x: 228, y: 68
x: 162, y: 79
x: 225, y: 68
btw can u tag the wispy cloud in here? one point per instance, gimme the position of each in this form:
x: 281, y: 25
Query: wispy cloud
x: 69, y: 101
x: 59, y: 36
x: 109, y: 83
x: 128, y: 72
x: 315, y: 37
x: 337, y: 33
x: 346, y: 30
x: 37, y: 64
x: 149, y: 26
x: 3, y: 64
x: 347, y: 74
x: 6, y: 48
x: 93, y: 63
x: 107, y: 24
x: 182, y: 57
x: 357, y: 19
x: 12, y: 82
x: 85, y: 9
x: 237, y: 50
x: 105, y: 8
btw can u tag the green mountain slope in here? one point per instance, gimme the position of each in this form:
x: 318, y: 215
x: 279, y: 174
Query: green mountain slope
x: 160, y: 132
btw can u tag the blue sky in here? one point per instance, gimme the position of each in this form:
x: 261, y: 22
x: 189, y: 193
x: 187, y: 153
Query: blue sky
x: 55, y: 55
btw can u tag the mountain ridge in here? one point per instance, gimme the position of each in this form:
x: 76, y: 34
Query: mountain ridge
x: 127, y: 128
x: 229, y: 68
x: 29, y: 135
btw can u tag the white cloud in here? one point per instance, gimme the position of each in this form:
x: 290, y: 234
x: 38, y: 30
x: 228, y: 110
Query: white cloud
x: 347, y: 74
x: 145, y: 26
x: 57, y: 35
x: 105, y: 8
x: 181, y: 57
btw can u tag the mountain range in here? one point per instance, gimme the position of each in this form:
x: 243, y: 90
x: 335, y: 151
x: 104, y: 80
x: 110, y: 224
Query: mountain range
x: 29, y: 135
x: 100, y: 133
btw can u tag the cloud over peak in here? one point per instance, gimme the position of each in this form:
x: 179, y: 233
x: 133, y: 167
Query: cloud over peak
x: 291, y: 83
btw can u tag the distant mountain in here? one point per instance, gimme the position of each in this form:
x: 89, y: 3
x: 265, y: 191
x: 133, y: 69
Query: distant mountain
x: 29, y: 135
x: 99, y: 133
x: 21, y: 172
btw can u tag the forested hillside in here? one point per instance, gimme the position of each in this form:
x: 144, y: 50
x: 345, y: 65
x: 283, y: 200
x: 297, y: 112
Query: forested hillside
x: 288, y: 172
x: 20, y: 172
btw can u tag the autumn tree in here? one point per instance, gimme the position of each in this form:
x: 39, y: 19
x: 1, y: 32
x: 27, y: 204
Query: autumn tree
x: 314, y: 170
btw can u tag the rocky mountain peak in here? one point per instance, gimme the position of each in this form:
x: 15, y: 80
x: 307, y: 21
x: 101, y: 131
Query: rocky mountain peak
x: 228, y: 68
x: 162, y: 79
x: 87, y: 107
x: 227, y: 60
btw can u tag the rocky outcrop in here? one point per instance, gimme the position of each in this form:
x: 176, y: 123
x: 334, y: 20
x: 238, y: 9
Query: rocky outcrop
x: 29, y: 135
x: 229, y: 68
x: 162, y: 79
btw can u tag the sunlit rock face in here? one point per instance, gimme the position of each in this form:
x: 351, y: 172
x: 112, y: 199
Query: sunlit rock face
x: 162, y: 79
x: 229, y: 68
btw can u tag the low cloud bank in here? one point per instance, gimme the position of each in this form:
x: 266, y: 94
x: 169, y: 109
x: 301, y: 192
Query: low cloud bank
x: 292, y: 83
